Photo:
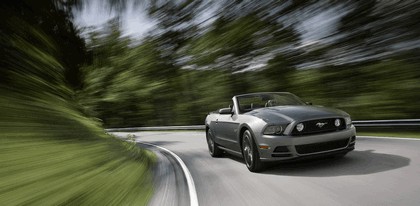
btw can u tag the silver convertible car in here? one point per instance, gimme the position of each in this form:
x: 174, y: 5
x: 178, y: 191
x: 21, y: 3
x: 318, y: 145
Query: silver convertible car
x: 278, y: 126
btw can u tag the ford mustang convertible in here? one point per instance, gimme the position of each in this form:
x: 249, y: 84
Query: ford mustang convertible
x: 278, y: 126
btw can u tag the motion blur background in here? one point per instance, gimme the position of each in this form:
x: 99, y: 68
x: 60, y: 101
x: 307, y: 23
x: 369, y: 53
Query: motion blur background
x: 69, y: 68
x: 182, y: 59
x: 143, y: 63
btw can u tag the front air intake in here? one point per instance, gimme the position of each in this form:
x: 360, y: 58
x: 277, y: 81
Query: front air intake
x: 321, y: 147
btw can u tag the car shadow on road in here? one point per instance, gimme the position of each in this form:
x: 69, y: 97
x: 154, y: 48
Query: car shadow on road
x: 354, y: 163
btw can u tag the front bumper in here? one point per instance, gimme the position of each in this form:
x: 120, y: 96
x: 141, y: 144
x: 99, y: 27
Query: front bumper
x: 284, y: 148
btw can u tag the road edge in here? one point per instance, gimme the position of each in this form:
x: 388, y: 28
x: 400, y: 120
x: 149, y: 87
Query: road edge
x: 190, y: 181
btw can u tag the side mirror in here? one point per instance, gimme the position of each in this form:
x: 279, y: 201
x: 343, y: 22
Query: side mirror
x: 308, y: 103
x: 225, y: 111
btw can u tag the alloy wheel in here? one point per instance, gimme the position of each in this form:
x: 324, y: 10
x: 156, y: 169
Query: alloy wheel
x: 247, y: 150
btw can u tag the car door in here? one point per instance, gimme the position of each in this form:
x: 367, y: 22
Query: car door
x: 226, y: 130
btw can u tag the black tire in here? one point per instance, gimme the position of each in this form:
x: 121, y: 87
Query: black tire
x: 214, y: 150
x: 250, y: 153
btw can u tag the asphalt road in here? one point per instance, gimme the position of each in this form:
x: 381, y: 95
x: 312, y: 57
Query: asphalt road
x: 378, y: 172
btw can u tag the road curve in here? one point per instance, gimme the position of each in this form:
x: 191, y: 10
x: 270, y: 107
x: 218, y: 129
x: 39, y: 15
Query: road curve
x: 379, y: 172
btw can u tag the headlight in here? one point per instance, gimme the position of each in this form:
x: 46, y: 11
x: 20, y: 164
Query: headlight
x: 275, y: 129
x: 299, y: 127
x: 348, y: 120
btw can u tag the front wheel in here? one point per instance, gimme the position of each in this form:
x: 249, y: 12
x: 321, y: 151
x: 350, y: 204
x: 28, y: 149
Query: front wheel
x: 213, y: 149
x: 250, y: 153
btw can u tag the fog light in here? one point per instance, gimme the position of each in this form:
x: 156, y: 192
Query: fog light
x: 299, y: 127
x: 337, y: 122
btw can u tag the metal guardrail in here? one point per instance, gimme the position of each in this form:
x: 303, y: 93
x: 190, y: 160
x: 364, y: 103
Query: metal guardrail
x: 161, y: 128
x: 357, y: 123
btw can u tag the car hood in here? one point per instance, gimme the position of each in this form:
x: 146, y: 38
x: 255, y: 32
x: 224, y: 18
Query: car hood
x: 282, y: 114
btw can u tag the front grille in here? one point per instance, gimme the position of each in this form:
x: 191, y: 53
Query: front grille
x: 281, y: 155
x: 319, y: 126
x: 321, y: 147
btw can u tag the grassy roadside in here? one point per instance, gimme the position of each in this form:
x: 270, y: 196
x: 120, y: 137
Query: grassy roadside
x: 404, y: 132
x: 391, y: 134
x: 88, y: 172
x: 50, y: 154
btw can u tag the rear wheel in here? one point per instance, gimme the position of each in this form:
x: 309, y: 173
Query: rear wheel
x: 213, y: 149
x: 250, y: 153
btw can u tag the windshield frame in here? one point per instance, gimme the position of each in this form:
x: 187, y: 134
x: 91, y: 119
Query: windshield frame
x: 246, y: 103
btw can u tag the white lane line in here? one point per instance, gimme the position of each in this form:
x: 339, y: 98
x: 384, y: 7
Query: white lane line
x: 377, y: 137
x: 190, y: 181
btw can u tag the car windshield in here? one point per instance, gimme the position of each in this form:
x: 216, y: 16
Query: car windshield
x: 248, y: 102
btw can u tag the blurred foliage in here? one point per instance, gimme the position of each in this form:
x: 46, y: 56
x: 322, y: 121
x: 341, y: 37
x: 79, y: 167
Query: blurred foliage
x: 55, y: 88
x: 51, y: 152
x: 54, y: 19
x: 367, y: 65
